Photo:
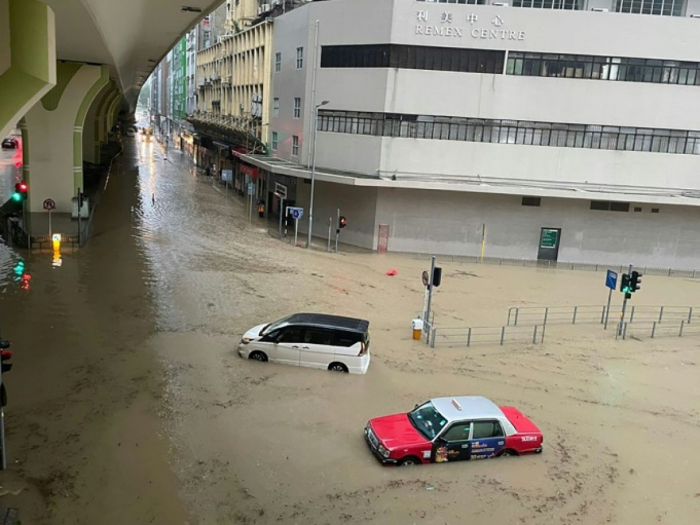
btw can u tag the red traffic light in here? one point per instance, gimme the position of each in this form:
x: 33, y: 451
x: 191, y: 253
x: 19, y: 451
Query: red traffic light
x: 22, y: 186
x: 343, y: 222
x: 5, y: 355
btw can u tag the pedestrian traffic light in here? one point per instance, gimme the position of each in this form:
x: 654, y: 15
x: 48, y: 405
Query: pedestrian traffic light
x: 635, y: 281
x: 5, y: 355
x: 625, y: 286
x: 342, y: 222
x: 20, y: 193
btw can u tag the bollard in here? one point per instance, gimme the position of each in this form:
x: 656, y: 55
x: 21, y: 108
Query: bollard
x: 653, y: 329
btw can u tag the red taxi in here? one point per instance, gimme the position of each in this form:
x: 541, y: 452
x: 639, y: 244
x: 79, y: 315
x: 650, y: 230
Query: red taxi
x: 452, y: 429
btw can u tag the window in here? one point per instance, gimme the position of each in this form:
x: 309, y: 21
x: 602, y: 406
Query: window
x: 318, y: 336
x: 347, y: 339
x: 531, y: 201
x: 637, y: 209
x: 655, y: 210
x: 553, y: 134
x: 651, y: 7
x: 295, y: 146
x: 548, y: 4
x: 278, y: 62
x: 297, y: 107
x: 275, y: 107
x: 603, y: 68
x: 487, y: 429
x: 458, y: 432
x: 291, y: 335
x: 274, y: 141
x: 413, y: 57
x: 300, y: 57
x: 610, y: 206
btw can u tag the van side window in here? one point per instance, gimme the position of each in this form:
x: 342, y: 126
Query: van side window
x: 291, y: 335
x: 317, y: 336
x: 347, y: 339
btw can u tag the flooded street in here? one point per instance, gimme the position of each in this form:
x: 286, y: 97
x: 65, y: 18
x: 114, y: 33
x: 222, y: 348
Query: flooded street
x: 128, y: 402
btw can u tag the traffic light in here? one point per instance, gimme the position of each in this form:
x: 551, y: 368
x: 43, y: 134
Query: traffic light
x: 20, y: 193
x: 635, y: 281
x: 625, y: 286
x: 437, y: 276
x: 342, y: 222
x: 5, y: 355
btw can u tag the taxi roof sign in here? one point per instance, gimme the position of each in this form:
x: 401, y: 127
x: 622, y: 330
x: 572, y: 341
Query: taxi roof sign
x: 456, y: 404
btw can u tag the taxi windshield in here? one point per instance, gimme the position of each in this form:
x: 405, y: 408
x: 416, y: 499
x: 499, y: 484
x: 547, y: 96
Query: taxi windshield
x: 427, y: 420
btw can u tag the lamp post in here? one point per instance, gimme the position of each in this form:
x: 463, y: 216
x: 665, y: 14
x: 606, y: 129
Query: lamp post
x: 313, y: 173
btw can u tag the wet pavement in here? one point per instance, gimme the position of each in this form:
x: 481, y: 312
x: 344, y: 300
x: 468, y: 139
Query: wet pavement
x: 129, y: 404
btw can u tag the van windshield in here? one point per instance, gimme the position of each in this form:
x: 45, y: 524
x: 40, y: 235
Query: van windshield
x: 274, y: 326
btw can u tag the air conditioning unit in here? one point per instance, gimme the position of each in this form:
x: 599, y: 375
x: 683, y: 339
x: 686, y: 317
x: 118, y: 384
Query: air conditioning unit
x: 600, y: 9
x: 264, y: 8
x: 500, y: 4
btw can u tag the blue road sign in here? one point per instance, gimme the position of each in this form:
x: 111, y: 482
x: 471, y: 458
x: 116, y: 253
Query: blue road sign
x: 297, y: 213
x: 611, y: 280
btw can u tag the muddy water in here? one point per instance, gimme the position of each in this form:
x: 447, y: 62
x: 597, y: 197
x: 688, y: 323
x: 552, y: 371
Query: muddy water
x: 129, y: 404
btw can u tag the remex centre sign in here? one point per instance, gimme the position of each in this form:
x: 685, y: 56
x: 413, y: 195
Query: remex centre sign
x: 448, y: 26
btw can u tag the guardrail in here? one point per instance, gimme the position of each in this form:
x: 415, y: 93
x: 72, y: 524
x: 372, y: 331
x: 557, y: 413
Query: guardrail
x: 656, y: 329
x: 558, y: 265
x: 469, y: 336
x: 543, y: 315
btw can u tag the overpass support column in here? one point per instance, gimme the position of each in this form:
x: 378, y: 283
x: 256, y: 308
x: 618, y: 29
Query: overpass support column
x: 54, y: 136
x: 27, y: 58
x: 92, y: 138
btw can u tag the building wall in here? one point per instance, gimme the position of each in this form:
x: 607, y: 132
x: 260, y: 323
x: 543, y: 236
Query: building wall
x: 451, y: 223
x: 5, y: 50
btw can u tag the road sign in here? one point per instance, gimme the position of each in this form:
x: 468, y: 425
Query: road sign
x: 425, y: 277
x: 549, y: 238
x: 611, y: 280
x: 297, y: 213
x: 49, y: 204
x: 251, y: 188
x: 227, y: 175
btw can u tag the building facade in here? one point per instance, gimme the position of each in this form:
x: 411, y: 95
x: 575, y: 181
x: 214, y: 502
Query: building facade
x: 560, y: 130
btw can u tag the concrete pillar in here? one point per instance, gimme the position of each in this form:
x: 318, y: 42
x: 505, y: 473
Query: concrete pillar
x: 53, y: 154
x: 92, y: 138
x: 104, y: 115
x: 113, y: 112
x: 27, y: 58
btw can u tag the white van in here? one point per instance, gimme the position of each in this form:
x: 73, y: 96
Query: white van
x: 328, y: 342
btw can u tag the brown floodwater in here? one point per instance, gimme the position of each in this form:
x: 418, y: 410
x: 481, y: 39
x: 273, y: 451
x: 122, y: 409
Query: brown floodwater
x: 129, y: 404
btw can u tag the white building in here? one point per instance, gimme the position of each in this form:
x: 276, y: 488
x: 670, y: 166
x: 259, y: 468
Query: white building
x: 565, y: 132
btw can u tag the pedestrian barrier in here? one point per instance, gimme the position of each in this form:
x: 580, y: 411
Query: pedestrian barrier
x: 656, y: 329
x: 660, y: 314
x: 469, y: 336
x: 558, y: 265
x: 543, y: 315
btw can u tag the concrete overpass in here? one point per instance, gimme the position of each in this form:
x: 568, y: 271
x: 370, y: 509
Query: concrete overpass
x: 66, y: 69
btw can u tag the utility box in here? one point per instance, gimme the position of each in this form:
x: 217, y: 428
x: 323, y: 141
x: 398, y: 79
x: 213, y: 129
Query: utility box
x: 84, y: 212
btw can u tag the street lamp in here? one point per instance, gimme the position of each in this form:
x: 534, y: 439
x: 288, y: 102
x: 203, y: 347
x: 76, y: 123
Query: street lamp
x: 313, y: 173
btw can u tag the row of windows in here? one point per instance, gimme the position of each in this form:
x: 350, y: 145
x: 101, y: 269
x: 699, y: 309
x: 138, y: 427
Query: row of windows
x: 276, y: 107
x: 511, y: 132
x: 646, y: 7
x: 413, y: 57
x: 595, y: 205
x: 603, y: 68
x: 299, y: 62
x: 295, y: 143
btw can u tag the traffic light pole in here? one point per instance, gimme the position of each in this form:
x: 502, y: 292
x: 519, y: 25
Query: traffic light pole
x: 624, y: 307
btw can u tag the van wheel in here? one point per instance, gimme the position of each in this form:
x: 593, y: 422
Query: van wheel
x: 337, y: 367
x: 258, y: 356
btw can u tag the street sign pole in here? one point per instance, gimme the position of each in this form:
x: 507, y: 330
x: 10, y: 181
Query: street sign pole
x: 50, y: 229
x: 426, y: 321
x: 624, y: 306
x: 337, y: 229
x: 281, y: 215
x: 296, y: 230
x: 607, y: 309
x: 611, y: 283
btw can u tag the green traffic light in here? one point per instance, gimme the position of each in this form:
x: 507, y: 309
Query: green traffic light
x: 17, y: 196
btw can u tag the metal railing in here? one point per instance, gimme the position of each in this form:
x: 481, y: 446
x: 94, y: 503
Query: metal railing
x: 657, y: 329
x: 559, y: 265
x: 469, y: 336
x: 543, y: 315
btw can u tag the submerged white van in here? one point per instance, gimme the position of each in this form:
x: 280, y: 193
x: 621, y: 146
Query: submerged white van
x: 328, y: 342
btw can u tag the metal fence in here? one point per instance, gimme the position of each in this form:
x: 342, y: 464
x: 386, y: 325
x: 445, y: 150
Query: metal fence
x: 558, y: 265
x: 543, y: 315
x: 469, y: 336
x: 656, y: 329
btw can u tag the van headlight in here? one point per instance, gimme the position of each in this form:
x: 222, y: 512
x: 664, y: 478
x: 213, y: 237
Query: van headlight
x: 245, y: 340
x: 383, y: 450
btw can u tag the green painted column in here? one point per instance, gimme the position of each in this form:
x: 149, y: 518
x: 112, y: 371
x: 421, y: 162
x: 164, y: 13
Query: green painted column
x: 27, y: 58
x: 54, y: 134
x: 101, y: 124
x: 91, y: 135
x: 114, y: 112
